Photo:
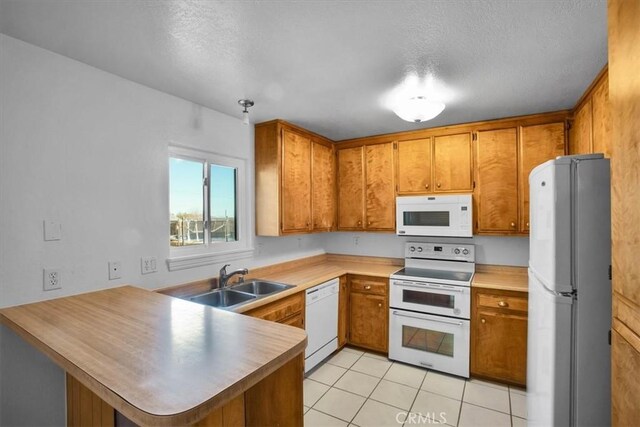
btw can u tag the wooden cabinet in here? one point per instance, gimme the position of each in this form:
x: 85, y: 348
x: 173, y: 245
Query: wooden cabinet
x: 351, y: 188
x: 496, y: 195
x: 591, y: 128
x: 288, y: 310
x: 452, y: 163
x: 380, y: 193
x: 295, y: 180
x: 499, y: 335
x: 504, y: 160
x: 366, y: 188
x: 413, y: 166
x: 323, y: 173
x: 369, y: 312
x: 343, y: 312
x: 537, y: 144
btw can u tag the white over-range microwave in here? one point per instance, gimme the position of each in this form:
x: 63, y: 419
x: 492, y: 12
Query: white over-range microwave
x: 448, y: 216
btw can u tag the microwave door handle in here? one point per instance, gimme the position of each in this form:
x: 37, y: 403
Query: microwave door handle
x: 428, y: 286
x: 397, y: 313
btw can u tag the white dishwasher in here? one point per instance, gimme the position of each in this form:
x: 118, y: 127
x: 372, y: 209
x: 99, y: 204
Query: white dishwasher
x: 321, y: 319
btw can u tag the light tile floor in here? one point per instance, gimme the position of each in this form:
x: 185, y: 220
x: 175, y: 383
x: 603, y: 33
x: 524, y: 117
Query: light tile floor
x: 356, y: 388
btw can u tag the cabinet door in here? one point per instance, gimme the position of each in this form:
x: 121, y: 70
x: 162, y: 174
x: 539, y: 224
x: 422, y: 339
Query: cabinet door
x: 368, y: 324
x: 580, y: 135
x: 343, y: 311
x: 350, y: 188
x: 497, y: 181
x: 500, y: 346
x: 414, y: 166
x: 323, y: 188
x: 296, y: 182
x: 601, y: 119
x: 452, y: 163
x: 538, y: 144
x: 380, y: 188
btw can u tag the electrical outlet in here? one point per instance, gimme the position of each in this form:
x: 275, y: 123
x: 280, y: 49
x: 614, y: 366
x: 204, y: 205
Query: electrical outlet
x: 115, y: 270
x: 52, y: 279
x: 356, y: 240
x: 149, y: 264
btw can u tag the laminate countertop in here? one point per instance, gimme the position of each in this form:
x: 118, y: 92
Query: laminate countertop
x: 158, y: 360
x: 503, y: 278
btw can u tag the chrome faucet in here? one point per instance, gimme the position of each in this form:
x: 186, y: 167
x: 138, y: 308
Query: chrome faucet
x: 224, y: 277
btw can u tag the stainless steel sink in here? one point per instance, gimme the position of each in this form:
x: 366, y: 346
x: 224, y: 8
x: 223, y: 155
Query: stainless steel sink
x: 261, y: 287
x: 223, y: 298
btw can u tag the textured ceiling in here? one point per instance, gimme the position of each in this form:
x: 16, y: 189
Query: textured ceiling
x: 325, y: 65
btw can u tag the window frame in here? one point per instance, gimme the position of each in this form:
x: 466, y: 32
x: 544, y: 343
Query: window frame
x: 182, y: 257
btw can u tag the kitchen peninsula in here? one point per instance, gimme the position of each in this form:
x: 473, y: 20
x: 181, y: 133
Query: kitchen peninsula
x: 158, y: 360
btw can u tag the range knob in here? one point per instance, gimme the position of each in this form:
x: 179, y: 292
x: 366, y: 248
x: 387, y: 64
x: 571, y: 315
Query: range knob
x: 456, y: 251
x: 419, y: 249
x: 465, y: 251
x: 412, y: 249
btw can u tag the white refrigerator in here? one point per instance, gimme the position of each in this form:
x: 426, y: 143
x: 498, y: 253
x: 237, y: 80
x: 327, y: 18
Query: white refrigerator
x: 568, y: 349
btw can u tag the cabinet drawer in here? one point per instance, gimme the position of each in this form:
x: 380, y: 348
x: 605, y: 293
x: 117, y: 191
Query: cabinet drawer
x: 281, y: 309
x: 295, y: 320
x: 369, y: 285
x: 506, y: 302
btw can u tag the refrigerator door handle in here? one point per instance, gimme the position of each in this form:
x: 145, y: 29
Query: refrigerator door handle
x: 556, y: 293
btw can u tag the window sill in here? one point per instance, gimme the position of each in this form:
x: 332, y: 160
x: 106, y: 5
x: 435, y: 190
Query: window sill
x: 200, y: 260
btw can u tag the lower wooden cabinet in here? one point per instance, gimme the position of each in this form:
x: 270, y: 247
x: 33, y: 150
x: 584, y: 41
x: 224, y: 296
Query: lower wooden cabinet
x: 343, y: 312
x: 499, y: 335
x: 288, y: 310
x: 369, y: 312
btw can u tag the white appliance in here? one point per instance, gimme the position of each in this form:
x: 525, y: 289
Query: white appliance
x: 430, y: 300
x: 568, y: 356
x: 321, y: 318
x: 448, y: 216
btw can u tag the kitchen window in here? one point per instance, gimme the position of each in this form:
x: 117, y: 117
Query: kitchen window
x: 207, y: 218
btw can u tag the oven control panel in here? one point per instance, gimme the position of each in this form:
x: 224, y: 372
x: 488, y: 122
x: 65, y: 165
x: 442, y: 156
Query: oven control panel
x: 443, y: 251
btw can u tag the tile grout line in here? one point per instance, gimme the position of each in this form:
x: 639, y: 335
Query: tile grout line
x: 416, y: 396
x: 464, y: 389
x: 372, y: 390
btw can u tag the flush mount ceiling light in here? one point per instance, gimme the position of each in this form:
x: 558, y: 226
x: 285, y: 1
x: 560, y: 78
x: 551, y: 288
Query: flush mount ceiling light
x: 418, y: 109
x: 245, y: 104
x: 417, y: 99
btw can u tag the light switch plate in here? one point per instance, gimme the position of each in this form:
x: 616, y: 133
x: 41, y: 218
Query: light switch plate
x: 52, y: 230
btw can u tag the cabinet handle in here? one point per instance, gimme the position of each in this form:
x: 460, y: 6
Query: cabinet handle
x: 367, y: 287
x: 379, y: 304
x: 483, y: 321
x: 527, y: 225
x: 368, y: 222
x: 438, y: 185
x: 503, y: 304
x: 359, y: 222
x: 513, y: 225
x: 426, y: 186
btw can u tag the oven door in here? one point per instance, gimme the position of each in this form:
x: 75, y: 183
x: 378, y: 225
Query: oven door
x: 433, y: 342
x: 433, y: 298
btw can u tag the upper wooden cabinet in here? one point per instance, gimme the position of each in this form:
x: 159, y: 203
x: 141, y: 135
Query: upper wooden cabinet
x: 295, y: 180
x: 591, y: 127
x: 504, y: 160
x: 366, y: 188
x: 538, y: 143
x: 323, y: 171
x: 497, y: 181
x: 351, y: 188
x: 413, y: 166
x: 452, y: 163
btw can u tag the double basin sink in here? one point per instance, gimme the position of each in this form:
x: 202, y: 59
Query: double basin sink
x: 242, y: 293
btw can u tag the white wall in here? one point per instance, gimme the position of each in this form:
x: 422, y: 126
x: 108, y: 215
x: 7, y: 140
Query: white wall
x: 489, y: 249
x: 89, y: 149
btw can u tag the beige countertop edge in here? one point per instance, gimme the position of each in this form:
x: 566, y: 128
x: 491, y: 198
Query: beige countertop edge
x: 506, y: 278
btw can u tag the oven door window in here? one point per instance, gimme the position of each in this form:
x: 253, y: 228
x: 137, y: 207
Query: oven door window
x: 426, y: 218
x: 426, y: 298
x: 428, y: 340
